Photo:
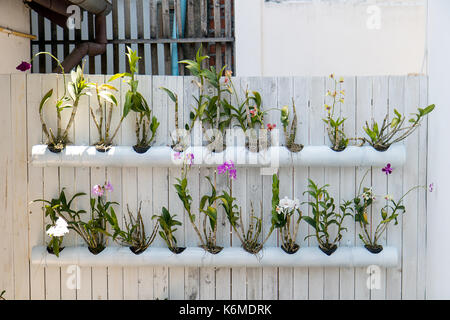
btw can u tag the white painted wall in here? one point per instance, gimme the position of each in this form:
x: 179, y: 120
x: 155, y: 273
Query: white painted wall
x: 13, y: 15
x: 438, y: 222
x: 318, y: 37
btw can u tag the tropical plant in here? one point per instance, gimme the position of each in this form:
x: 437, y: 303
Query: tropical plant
x: 361, y: 204
x: 324, y: 216
x: 178, y: 137
x: 70, y: 99
x: 335, y: 125
x: 390, y: 132
x: 290, y: 133
x: 146, y: 124
x: 283, y: 218
x: 168, y: 225
x: 208, y: 225
x: 251, y: 238
x: 215, y: 118
x: 133, y: 235
x: 58, y: 226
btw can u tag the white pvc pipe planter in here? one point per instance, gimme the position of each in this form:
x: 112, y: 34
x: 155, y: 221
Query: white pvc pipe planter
x: 163, y: 156
x: 228, y: 257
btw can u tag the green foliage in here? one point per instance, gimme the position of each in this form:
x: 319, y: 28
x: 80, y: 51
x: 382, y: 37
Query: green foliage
x: 335, y: 125
x: 382, y: 137
x: 208, y: 225
x: 168, y: 225
x: 135, y: 101
x: 133, y: 235
x: 57, y: 208
x: 325, y: 215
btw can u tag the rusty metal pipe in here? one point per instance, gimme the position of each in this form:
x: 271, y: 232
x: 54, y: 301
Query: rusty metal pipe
x: 58, y: 6
x: 88, y: 48
x: 53, y: 16
x: 97, y: 7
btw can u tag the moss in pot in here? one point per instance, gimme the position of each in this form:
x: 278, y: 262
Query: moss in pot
x: 328, y: 250
x: 290, y: 250
x: 374, y: 249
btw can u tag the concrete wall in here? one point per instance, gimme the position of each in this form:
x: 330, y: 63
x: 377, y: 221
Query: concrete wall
x: 318, y: 37
x: 13, y: 15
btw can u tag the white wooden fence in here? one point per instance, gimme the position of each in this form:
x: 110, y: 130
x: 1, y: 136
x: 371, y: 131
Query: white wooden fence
x: 22, y: 224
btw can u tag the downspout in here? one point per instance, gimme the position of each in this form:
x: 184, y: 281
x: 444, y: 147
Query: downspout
x: 56, y: 11
x: 175, y: 36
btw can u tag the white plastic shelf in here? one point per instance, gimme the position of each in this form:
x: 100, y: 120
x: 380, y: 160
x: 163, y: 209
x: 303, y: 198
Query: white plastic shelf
x: 228, y: 257
x: 310, y: 156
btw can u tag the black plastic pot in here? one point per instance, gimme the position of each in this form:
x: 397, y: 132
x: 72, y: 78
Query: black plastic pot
x: 52, y: 148
x: 381, y: 148
x: 178, y: 250
x: 50, y: 250
x: 135, y: 251
x: 140, y: 149
x: 103, y: 148
x: 329, y: 251
x: 214, y: 250
x: 97, y: 250
x: 294, y: 250
x: 295, y: 148
x: 375, y: 249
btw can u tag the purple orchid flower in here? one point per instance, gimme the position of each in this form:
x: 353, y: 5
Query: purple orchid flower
x: 388, y: 169
x: 431, y: 187
x: 24, y: 66
x: 109, y: 187
x: 97, y: 190
x: 190, y: 158
x: 177, y: 156
x: 227, y: 167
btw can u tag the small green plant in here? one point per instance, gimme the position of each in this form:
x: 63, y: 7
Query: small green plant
x: 133, y: 235
x: 178, y: 142
x: 146, y: 124
x: 58, y: 226
x: 361, y: 204
x: 168, y: 225
x: 390, y: 132
x: 208, y: 225
x: 209, y: 108
x: 250, y: 238
x: 283, y: 218
x: 290, y: 132
x: 74, y: 90
x: 335, y: 125
x: 324, y: 216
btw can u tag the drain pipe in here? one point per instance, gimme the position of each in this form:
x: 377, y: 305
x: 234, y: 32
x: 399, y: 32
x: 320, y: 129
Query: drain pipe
x: 56, y: 11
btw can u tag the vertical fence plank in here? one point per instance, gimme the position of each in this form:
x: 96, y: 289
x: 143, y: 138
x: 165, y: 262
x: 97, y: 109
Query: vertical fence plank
x: 160, y: 181
x: 410, y: 180
x: 228, y: 33
x: 19, y: 161
x: 422, y: 211
x: 145, y: 196
x: 347, y: 188
x: 166, y: 35
x: 154, y: 35
x: 395, y: 188
x: 379, y: 183
x: 363, y: 113
x: 217, y: 33
x: 285, y: 87
x: 271, y: 95
x: 302, y: 90
x: 35, y: 178
x: 317, y: 137
x: 6, y: 190
x: 176, y: 274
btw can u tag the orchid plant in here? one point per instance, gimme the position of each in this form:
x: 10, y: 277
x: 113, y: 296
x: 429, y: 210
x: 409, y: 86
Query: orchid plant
x: 250, y: 238
x: 178, y: 143
x: 289, y: 132
x: 133, y: 235
x: 390, y: 132
x: 335, y: 125
x: 168, y: 225
x: 283, y: 217
x: 58, y: 225
x: 324, y: 216
x: 208, y: 225
x: 209, y: 108
x: 73, y: 91
x: 146, y: 124
x: 360, y: 206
